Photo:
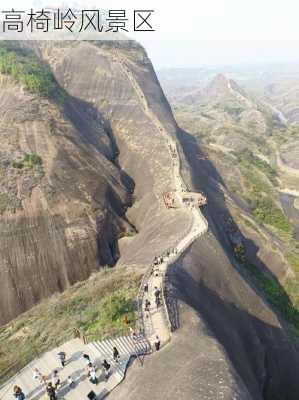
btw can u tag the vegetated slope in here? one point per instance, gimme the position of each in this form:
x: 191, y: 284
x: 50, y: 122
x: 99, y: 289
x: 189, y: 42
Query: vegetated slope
x: 284, y: 94
x: 245, y: 139
x: 95, y: 306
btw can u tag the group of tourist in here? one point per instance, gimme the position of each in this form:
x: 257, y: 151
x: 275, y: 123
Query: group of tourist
x: 52, y: 383
x: 91, y: 368
x: 158, y: 260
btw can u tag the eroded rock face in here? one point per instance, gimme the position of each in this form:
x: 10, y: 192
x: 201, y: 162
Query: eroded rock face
x: 61, y: 219
x: 121, y: 85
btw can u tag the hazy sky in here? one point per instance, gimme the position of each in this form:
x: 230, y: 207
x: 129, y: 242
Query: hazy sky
x: 197, y: 32
x: 165, y: 54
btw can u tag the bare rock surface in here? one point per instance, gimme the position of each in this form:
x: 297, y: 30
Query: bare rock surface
x: 105, y: 165
x: 192, y: 366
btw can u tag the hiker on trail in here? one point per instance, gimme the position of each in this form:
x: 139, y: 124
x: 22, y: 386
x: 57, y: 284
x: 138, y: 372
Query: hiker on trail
x: 116, y: 355
x: 147, y: 305
x: 158, y: 302
x: 90, y: 368
x: 134, y: 334
x: 51, y: 392
x: 55, y: 379
x: 18, y: 393
x: 157, y: 292
x: 106, y: 367
x: 87, y: 359
x: 145, y: 288
x: 70, y: 382
x: 37, y: 375
x: 62, y: 357
x: 92, y: 374
x: 157, y: 343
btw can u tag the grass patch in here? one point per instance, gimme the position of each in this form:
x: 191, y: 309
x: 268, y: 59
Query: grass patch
x: 247, y: 159
x: 276, y: 295
x: 29, y: 161
x: 96, y: 306
x: 25, y: 67
x: 266, y: 212
x: 108, y: 317
x: 260, y: 194
x: 281, y: 298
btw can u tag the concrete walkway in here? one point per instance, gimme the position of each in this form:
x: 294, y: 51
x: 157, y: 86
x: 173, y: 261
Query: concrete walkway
x: 76, y: 368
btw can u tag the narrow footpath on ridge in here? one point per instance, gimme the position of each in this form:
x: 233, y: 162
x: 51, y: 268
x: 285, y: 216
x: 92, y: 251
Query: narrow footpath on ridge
x: 153, y: 320
x: 156, y: 320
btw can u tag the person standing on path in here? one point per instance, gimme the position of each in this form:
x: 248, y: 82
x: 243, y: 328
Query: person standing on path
x: 147, y: 305
x: 70, y: 382
x: 86, y: 359
x: 51, y: 392
x: 158, y: 302
x: 116, y: 356
x: 18, y: 393
x: 62, y: 357
x: 157, y: 292
x: 55, y: 379
x: 106, y: 367
x: 157, y: 343
x: 93, y: 375
x: 37, y: 375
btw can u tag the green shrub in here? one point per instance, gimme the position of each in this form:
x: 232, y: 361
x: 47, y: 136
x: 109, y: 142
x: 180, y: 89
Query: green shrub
x: 18, y: 164
x: 32, y: 159
x: 29, y: 160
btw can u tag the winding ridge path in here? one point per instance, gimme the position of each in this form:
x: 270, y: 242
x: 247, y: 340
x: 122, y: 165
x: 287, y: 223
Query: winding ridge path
x: 156, y: 321
x: 152, y: 323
